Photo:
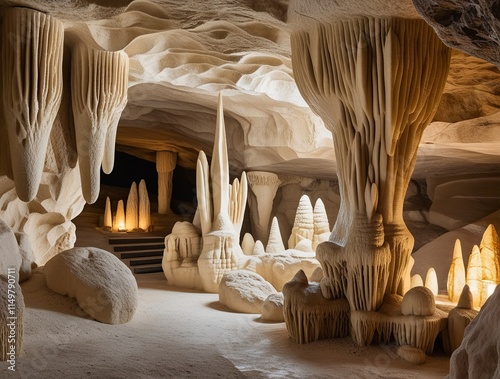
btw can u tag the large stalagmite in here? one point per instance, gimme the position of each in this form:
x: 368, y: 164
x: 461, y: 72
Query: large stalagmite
x: 221, y: 207
x: 32, y: 83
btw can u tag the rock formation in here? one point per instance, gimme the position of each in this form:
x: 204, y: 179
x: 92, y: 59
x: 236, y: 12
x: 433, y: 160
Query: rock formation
x: 275, y: 243
x: 132, y: 210
x: 475, y: 276
x: 431, y: 281
x: 221, y: 208
x: 32, y: 84
x: 321, y: 226
x: 119, y: 222
x: 99, y: 94
x: 144, y: 207
x: 108, y: 215
x: 303, y: 226
x: 165, y: 165
x: 263, y: 186
x: 456, y: 275
x: 103, y: 286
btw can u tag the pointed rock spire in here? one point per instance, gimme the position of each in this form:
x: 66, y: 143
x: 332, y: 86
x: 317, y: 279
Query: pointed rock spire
x: 132, y: 214
x: 248, y: 244
x: 144, y: 207
x: 275, y: 243
x: 490, y: 250
x: 108, y: 216
x: 321, y: 225
x: 431, y: 281
x: 303, y: 226
x: 475, y: 275
x: 456, y: 275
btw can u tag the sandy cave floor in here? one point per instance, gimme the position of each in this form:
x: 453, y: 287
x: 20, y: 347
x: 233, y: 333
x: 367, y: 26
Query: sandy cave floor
x: 182, y: 334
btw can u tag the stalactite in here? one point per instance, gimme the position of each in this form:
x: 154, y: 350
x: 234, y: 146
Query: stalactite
x: 31, y: 78
x: 99, y: 81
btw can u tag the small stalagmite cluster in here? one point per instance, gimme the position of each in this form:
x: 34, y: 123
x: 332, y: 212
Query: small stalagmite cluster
x: 136, y: 217
x: 483, y: 269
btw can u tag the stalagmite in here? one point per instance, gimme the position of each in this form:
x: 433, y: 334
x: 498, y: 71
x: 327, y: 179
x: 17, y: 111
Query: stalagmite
x: 475, y: 275
x: 108, y: 216
x: 165, y: 165
x: 31, y: 78
x: 99, y: 82
x: 431, y: 281
x: 119, y: 224
x: 416, y: 281
x: 132, y: 213
x: 321, y: 226
x: 456, y: 275
x: 221, y: 208
x: 275, y: 244
x: 144, y: 207
x: 490, y: 255
x: 376, y: 83
x: 263, y: 186
x: 303, y: 226
x: 248, y: 244
x: 258, y: 248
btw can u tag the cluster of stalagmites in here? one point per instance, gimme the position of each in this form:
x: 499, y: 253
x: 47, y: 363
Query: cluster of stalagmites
x: 208, y: 254
x: 135, y: 217
x: 32, y: 78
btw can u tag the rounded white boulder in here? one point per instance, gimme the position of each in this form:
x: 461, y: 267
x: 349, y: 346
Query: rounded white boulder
x: 103, y: 286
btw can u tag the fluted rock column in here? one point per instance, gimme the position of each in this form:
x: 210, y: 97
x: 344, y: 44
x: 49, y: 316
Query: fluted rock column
x: 165, y: 165
x: 376, y: 83
x: 263, y: 186
x: 99, y: 83
x: 31, y: 77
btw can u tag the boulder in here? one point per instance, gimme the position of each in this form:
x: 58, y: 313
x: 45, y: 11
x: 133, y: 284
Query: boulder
x: 103, y: 286
x: 244, y: 291
x: 418, y: 301
x: 272, y: 309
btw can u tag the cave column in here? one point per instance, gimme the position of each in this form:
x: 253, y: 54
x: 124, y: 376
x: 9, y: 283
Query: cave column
x: 376, y: 83
x: 165, y: 165
x: 263, y: 186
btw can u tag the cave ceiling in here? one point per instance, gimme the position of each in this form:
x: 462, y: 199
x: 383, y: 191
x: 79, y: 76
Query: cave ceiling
x: 183, y: 53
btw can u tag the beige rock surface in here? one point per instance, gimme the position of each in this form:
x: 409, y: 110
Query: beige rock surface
x: 103, y: 286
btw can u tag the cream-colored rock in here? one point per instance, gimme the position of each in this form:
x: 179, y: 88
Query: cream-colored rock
x: 411, y: 354
x: 165, y: 165
x: 180, y: 257
x: 309, y: 316
x: 32, y: 83
x: 272, y: 309
x: 221, y: 207
x: 456, y: 275
x: 108, y: 215
x: 490, y: 255
x: 431, y: 281
x: 247, y: 244
x: 258, y: 248
x: 244, y: 291
x: 263, y: 186
x: 418, y: 301
x: 477, y: 356
x: 475, y: 276
x: 99, y: 81
x: 275, y: 243
x: 119, y: 222
x: 416, y: 281
x: 103, y: 286
x: 9, y: 250
x: 342, y: 85
x: 321, y: 225
x: 465, y: 300
x: 11, y: 318
x: 144, y: 207
x: 303, y: 226
x: 132, y: 209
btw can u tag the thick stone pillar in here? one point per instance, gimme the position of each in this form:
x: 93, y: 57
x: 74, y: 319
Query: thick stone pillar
x: 376, y: 83
x: 165, y: 165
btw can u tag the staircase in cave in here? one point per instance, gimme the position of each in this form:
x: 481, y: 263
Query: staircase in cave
x: 142, y: 255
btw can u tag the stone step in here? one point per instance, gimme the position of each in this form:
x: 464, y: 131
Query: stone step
x: 118, y: 249
x: 147, y: 270
x: 143, y: 262
x: 136, y: 241
x: 142, y: 254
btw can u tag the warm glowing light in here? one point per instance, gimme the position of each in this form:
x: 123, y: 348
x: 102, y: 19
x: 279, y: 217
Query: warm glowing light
x: 488, y: 288
x: 120, y: 217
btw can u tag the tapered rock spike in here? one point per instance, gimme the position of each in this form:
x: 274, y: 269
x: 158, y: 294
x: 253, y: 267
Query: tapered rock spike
x: 490, y: 251
x: 120, y: 216
x: 275, y: 243
x: 108, y: 216
x: 248, y: 244
x: 456, y: 275
x: 31, y: 76
x: 99, y: 81
x: 416, y: 281
x: 431, y: 281
x: 303, y: 226
x: 132, y: 213
x: 144, y: 207
x: 321, y: 225
x: 475, y: 275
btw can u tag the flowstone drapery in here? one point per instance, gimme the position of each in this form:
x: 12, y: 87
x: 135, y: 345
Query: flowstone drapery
x: 376, y: 83
x: 221, y: 207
